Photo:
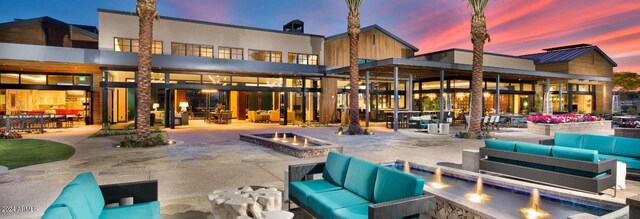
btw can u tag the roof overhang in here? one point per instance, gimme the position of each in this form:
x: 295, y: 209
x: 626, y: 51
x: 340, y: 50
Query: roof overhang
x: 427, y: 69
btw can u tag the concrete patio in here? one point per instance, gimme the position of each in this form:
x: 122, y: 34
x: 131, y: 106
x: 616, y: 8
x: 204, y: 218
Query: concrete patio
x: 209, y: 157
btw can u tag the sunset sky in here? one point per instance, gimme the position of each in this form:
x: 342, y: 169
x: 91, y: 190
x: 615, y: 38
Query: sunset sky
x: 516, y: 26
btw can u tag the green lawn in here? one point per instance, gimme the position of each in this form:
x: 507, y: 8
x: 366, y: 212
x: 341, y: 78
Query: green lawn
x: 16, y: 153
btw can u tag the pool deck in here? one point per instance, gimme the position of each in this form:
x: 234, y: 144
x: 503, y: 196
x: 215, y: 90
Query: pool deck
x: 210, y: 156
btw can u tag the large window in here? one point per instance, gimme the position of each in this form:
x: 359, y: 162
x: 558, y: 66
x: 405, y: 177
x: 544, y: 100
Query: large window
x: 183, y: 49
x: 45, y: 79
x: 303, y: 59
x: 133, y: 45
x: 230, y: 53
x: 265, y: 56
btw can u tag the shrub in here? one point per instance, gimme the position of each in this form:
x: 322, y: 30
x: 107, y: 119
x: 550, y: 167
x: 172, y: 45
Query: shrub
x: 564, y: 118
x: 368, y: 131
x: 131, y: 142
x: 9, y: 135
x: 632, y: 111
x: 116, y: 132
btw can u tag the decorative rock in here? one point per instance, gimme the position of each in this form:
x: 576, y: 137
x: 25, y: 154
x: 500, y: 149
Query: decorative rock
x: 238, y: 206
x: 4, y: 169
x: 277, y: 215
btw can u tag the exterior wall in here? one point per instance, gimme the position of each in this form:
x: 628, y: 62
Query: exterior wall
x: 97, y: 99
x: 337, y: 50
x: 168, y: 30
x: 79, y: 40
x: 466, y: 57
x: 562, y: 67
x: 592, y: 64
x: 34, y: 34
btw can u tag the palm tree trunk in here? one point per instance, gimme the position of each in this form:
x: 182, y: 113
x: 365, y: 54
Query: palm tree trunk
x: 353, y: 31
x: 146, y: 13
x: 478, y: 37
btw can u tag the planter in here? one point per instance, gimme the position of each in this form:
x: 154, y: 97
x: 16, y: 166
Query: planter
x: 627, y: 132
x: 573, y: 127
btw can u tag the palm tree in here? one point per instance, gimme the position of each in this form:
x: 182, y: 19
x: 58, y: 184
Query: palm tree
x: 146, y: 13
x: 353, y: 31
x: 478, y: 36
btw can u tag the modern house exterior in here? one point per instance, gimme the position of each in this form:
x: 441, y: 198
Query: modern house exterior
x: 199, y: 66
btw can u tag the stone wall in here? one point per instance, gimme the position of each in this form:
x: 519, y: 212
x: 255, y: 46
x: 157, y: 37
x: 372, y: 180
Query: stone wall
x: 627, y: 132
x: 446, y: 209
x: 574, y: 127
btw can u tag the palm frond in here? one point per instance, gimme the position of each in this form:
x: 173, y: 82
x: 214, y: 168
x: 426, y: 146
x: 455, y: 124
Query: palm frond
x: 478, y: 6
x: 354, y: 5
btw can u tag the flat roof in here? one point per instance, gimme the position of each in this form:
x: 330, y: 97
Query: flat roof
x: 211, y: 23
x: 470, y: 51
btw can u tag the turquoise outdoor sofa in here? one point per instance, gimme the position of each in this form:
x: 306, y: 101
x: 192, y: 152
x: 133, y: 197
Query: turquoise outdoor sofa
x: 576, y: 168
x: 352, y: 188
x: 626, y: 150
x: 82, y: 198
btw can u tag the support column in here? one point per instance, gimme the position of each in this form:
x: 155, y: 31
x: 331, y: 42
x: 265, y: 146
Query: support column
x: 498, y: 95
x: 105, y: 108
x: 547, y: 97
x: 560, y: 107
x: 304, y: 100
x: 569, y: 98
x: 172, y: 111
x: 167, y: 104
x: 395, y: 95
x: 366, y: 100
x: 441, y: 114
x: 409, y: 93
x: 285, y: 109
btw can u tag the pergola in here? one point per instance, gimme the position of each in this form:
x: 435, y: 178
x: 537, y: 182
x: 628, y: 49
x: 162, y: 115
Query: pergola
x: 409, y: 70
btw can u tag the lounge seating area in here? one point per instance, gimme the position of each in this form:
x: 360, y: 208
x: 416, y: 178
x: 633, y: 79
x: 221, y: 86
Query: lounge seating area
x: 626, y: 150
x: 571, y: 167
x: 352, y: 188
x: 263, y: 116
x: 82, y: 198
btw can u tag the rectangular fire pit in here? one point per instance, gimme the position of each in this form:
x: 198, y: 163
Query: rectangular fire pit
x: 293, y: 144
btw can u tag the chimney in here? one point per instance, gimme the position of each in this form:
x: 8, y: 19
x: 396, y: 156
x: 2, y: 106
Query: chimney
x: 294, y: 26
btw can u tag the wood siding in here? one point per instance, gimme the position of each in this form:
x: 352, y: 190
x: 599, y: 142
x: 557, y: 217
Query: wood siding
x: 35, y: 34
x: 336, y: 52
x: 591, y: 63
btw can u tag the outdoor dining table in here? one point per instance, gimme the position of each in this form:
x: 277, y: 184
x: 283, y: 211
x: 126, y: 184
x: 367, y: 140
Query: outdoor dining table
x: 403, y: 118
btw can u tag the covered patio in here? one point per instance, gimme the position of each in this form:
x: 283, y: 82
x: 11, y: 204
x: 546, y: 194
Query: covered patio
x: 409, y: 71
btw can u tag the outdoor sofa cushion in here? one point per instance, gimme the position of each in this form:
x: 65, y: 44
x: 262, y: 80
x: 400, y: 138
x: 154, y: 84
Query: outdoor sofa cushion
x: 301, y: 190
x: 149, y: 210
x: 335, y: 168
x: 574, y: 153
x: 73, y: 197
x: 534, y: 149
x: 632, y: 162
x: 393, y: 185
x: 59, y: 212
x: 628, y: 147
x: 568, y: 139
x: 361, y: 177
x: 91, y: 191
x: 353, y: 212
x: 602, y: 144
x: 325, y: 203
x: 501, y: 145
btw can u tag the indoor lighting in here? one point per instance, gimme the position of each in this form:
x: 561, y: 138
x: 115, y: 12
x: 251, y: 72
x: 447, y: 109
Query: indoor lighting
x: 184, y: 106
x: 209, y: 91
x: 155, y: 106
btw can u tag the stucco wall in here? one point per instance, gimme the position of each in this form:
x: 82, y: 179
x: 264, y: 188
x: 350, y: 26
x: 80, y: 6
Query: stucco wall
x: 465, y: 57
x: 120, y: 25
